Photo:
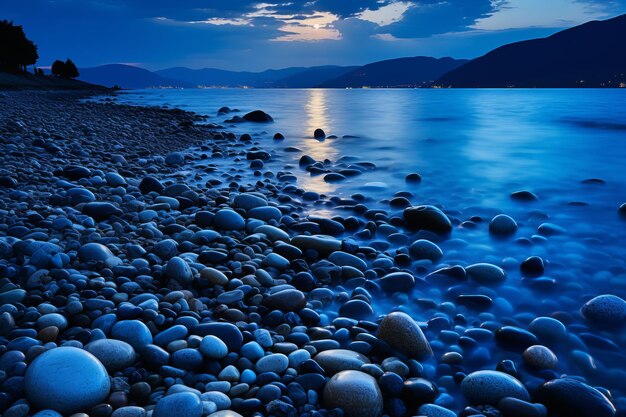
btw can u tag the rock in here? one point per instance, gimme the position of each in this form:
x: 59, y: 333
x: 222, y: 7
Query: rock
x: 550, y: 229
x: 502, y: 225
x: 397, y: 282
x: 513, y: 407
x: 249, y: 201
x: 150, y: 184
x: 212, y: 347
x: 100, y: 211
x: 174, y: 159
x: 532, y: 266
x: 228, y: 220
x: 115, y: 355
x: 432, y: 410
x: 427, y: 218
x: 572, y: 398
x: 403, y: 334
x: 489, y: 387
x: 180, y: 404
x: 114, y: 179
x: 133, y: 332
x: 225, y: 413
x: 425, y: 249
x: 279, y: 136
x: 607, y: 309
x: 540, y: 357
x: 413, y: 177
x: 286, y: 300
x: 322, y: 244
x: 178, y: 270
x: 214, y: 276
x: 319, y: 134
x: 341, y: 258
x: 548, y: 329
x: 524, y: 195
x: 94, y: 252
x: 258, y: 116
x: 354, y: 392
x: 337, y: 360
x: 227, y: 332
x: 276, y: 363
x: 486, y: 274
x: 130, y: 411
x: 66, y: 380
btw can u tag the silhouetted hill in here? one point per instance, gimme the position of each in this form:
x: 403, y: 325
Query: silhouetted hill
x: 589, y: 55
x: 313, y: 77
x: 22, y: 81
x: 211, y: 77
x: 127, y: 76
x: 401, y: 72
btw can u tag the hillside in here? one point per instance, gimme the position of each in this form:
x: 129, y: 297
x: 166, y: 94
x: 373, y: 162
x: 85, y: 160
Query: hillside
x: 10, y: 81
x: 589, y: 55
x: 401, y: 72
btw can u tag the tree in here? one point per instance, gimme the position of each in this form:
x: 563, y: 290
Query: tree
x: 16, y: 51
x: 65, y: 69
x: 70, y: 69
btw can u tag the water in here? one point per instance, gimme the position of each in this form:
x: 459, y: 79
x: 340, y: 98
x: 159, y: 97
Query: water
x: 473, y: 148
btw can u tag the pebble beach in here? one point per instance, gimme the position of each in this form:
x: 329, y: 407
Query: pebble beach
x: 154, y: 263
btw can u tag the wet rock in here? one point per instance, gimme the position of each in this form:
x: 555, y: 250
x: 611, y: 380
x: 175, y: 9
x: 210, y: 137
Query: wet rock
x: 486, y: 274
x: 427, y: 218
x: 514, y: 407
x: 94, y: 252
x: 502, y: 225
x: 319, y: 134
x: 66, y: 380
x: 356, y: 393
x: 180, y: 404
x: 150, y: 184
x: 524, y: 195
x: 175, y: 159
x: 178, y: 270
x: 258, y: 116
x: 606, y: 309
x: 228, y: 220
x: 337, y: 360
x: 397, y: 282
x: 489, y: 387
x: 115, y: 355
x: 286, y: 300
x: 540, y: 357
x: 403, y: 334
x: 413, y: 177
x: 432, y: 410
x: 572, y: 398
x: 425, y: 249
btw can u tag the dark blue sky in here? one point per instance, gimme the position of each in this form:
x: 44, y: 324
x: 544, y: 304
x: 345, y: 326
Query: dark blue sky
x: 249, y: 35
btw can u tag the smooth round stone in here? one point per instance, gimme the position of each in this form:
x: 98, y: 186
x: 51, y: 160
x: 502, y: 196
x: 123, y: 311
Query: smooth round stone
x: 345, y: 259
x: 133, y: 332
x: 432, y: 410
x: 276, y: 363
x: 225, y: 413
x: 66, y: 380
x: 548, y: 329
x: 214, y: 276
x: 149, y: 184
x: 550, y: 229
x: 425, y: 249
x: 178, y: 270
x: 228, y: 220
x: 319, y: 134
x: 174, y: 159
x: 265, y: 213
x: 249, y: 201
x: 356, y: 309
x: 101, y: 210
x: 114, y: 179
x: 94, y: 252
x: 403, y: 334
x: 47, y: 413
x: 572, y: 398
x: 427, y: 218
x: 354, y: 392
x: 114, y: 354
x: 488, y: 387
x: 258, y: 116
x: 181, y: 404
x: 513, y: 407
x: 286, y: 300
x: 337, y: 360
x: 52, y: 319
x: 487, y: 274
x: 540, y: 357
x: 322, y: 244
x: 502, y: 225
x: 227, y: 332
x: 130, y: 411
x: 605, y: 309
x: 397, y: 282
x: 212, y: 347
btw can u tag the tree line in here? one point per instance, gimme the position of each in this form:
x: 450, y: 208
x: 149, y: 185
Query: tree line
x: 17, y: 52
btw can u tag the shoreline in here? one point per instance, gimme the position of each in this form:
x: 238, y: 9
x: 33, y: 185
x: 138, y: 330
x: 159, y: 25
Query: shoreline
x: 226, y: 297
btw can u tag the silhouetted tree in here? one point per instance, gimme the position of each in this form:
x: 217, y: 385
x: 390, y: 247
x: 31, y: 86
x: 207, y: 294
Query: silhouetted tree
x: 70, y: 69
x: 65, y: 69
x: 16, y: 51
x: 58, y: 68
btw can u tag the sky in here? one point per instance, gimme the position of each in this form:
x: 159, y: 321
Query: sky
x: 253, y: 36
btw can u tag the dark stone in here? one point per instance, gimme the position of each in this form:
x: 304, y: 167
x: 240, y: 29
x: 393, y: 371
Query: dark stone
x: 258, y: 116
x: 569, y: 397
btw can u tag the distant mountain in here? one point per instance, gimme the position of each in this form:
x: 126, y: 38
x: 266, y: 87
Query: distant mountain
x: 402, y: 72
x: 286, y: 77
x: 313, y: 77
x: 589, y: 55
x: 127, y: 76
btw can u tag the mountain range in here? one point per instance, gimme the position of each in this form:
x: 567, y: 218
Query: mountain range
x: 589, y: 55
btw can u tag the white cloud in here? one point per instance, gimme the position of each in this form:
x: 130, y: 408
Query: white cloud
x: 386, y: 15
